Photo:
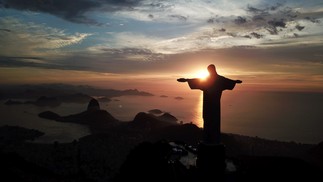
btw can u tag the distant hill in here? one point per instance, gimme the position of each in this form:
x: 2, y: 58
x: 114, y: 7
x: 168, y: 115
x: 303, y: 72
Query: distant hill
x: 62, y: 92
x: 167, y: 117
x: 45, y: 101
x: 155, y: 111
x: 150, y: 121
x: 94, y: 117
x: 100, y: 120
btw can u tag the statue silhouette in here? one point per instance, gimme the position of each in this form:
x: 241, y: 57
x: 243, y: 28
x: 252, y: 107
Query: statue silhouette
x: 212, y: 88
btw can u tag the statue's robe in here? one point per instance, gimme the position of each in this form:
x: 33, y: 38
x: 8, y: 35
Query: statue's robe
x: 212, y: 88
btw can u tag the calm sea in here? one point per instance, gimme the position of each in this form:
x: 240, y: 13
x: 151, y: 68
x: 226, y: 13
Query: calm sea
x: 273, y: 115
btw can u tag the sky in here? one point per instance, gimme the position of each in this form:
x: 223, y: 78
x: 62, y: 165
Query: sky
x: 147, y: 44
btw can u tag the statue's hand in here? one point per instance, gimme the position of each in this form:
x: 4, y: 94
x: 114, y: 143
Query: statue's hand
x: 238, y: 81
x: 182, y: 80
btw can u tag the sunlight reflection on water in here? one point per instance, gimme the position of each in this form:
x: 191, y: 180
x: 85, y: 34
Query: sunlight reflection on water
x: 198, y: 111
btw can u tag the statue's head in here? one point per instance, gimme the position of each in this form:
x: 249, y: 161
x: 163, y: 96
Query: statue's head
x: 211, y: 69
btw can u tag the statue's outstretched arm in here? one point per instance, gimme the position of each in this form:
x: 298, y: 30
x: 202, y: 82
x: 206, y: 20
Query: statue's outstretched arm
x: 238, y: 81
x: 186, y: 79
x: 182, y: 80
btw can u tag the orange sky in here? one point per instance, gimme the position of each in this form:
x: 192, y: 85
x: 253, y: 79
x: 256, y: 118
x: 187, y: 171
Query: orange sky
x: 259, y: 69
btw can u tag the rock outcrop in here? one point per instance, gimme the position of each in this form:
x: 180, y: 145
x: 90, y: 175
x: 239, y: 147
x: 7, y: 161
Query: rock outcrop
x: 93, y: 105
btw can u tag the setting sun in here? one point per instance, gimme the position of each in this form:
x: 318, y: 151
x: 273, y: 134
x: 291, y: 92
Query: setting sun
x: 203, y: 74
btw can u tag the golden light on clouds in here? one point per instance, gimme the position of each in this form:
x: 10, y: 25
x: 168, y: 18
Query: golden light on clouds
x: 38, y: 75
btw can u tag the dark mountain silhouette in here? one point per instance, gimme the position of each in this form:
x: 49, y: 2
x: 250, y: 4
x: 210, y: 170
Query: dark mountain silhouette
x: 164, y: 116
x: 85, y: 117
x: 90, y: 117
x: 94, y: 117
x: 143, y: 119
x: 178, y: 98
x: 96, y: 120
x: 64, y: 92
x: 168, y: 118
x: 155, y: 111
x: 93, y: 105
x: 99, y: 120
x: 54, y: 101
x: 46, y: 101
x: 149, y: 121
x: 50, y: 115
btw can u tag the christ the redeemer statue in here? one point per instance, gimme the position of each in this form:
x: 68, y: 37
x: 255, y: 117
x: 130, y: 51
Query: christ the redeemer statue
x: 212, y: 88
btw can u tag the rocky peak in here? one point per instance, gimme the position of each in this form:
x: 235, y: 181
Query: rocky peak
x: 93, y: 105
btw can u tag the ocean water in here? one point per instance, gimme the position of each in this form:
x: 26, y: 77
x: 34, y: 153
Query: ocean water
x: 273, y: 115
x: 27, y: 116
x: 186, y: 109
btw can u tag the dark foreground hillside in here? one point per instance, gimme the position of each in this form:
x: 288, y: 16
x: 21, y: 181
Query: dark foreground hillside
x: 118, y: 156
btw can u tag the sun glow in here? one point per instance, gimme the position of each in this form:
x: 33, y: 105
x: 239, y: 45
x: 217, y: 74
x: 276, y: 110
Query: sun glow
x: 203, y: 74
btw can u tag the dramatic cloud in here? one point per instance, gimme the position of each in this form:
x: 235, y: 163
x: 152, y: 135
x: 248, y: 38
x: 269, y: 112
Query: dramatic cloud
x: 256, y: 35
x: 31, y: 62
x: 162, y: 37
x: 179, y: 17
x: 30, y: 39
x: 298, y: 27
x: 74, y: 11
x: 240, y: 20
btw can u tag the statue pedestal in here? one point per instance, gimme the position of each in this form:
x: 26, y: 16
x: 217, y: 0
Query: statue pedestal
x: 211, y: 161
